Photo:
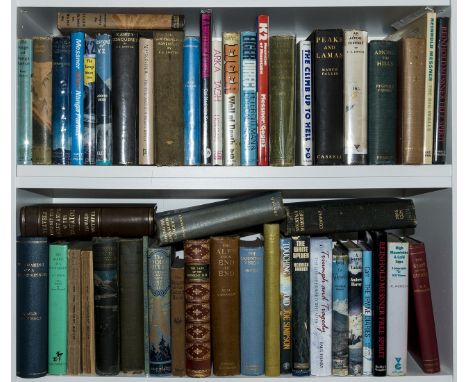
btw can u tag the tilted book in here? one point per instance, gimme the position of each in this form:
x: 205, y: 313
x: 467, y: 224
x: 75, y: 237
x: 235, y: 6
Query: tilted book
x: 263, y: 65
x: 367, y: 307
x: 217, y: 102
x: 74, y: 310
x: 77, y: 98
x: 24, y: 129
x: 285, y: 305
x: 178, y: 317
x: 89, y: 114
x: 205, y: 87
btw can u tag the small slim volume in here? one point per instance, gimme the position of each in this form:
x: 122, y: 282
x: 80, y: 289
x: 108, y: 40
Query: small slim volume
x: 24, y: 128
x: 285, y: 306
x: 178, y: 317
x: 89, y: 116
x: 205, y: 94
x: 263, y: 30
x: 217, y: 102
x: 77, y: 98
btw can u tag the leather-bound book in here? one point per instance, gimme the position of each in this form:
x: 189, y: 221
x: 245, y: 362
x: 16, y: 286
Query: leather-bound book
x: 178, y: 317
x: 131, y: 306
x: 168, y: 93
x: 88, y: 355
x: 197, y: 308
x: 225, y: 304
x: 282, y: 127
x: 32, y: 271
x: 411, y: 100
x: 74, y: 311
x: 106, y: 305
x: 124, y: 97
x: 42, y: 100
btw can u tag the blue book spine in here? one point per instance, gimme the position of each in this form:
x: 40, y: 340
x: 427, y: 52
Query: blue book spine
x: 366, y: 310
x: 77, y: 98
x: 103, y: 99
x: 89, y: 116
x: 248, y: 99
x: 252, y: 307
x: 61, y: 138
x: 191, y: 101
x: 24, y: 102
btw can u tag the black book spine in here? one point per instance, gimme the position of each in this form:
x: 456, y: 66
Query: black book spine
x: 106, y: 305
x: 32, y: 286
x: 205, y: 34
x: 440, y: 90
x: 124, y: 97
x: 89, y: 117
x: 300, y: 305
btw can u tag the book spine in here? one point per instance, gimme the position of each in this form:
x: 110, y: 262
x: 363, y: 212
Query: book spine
x: 355, y: 97
x: 32, y: 271
x: 397, y: 300
x: 192, y: 101
x: 285, y: 306
x: 300, y: 305
x: 61, y: 100
x: 145, y: 304
x: 272, y: 302
x: 382, y: 96
x: 106, y: 305
x: 340, y: 349
x: 74, y: 312
x: 321, y: 305
x: 168, y: 92
x: 24, y: 129
x: 178, y: 318
x: 132, y: 359
x: 304, y: 138
x: 42, y: 101
x: 367, y: 308
x: 379, y: 335
x: 104, y: 147
x: 440, y: 91
x: 217, y: 102
x: 87, y: 313
x: 263, y: 65
x: 124, y: 97
x: 252, y: 305
x: 328, y: 92
x: 197, y: 308
x: 159, y: 263
x: 89, y: 116
x: 248, y: 96
x: 57, y: 328
x: 77, y: 98
x: 231, y: 99
x: 205, y: 90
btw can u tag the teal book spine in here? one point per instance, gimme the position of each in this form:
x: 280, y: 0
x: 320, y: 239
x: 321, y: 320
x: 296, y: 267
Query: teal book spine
x: 57, y: 353
x: 24, y: 102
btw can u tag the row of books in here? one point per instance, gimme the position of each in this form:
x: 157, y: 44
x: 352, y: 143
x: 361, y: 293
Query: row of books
x: 159, y: 98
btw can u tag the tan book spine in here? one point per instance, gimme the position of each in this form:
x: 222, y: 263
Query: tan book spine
x: 146, y: 102
x: 178, y: 318
x: 87, y: 313
x: 74, y: 312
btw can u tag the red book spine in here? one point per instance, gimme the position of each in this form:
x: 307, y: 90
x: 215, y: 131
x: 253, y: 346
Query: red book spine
x: 262, y: 89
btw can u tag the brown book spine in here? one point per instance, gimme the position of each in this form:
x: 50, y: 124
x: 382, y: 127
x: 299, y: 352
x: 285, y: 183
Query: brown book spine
x: 146, y: 102
x: 411, y: 100
x: 42, y: 100
x: 74, y: 312
x: 87, y: 313
x: 225, y: 310
x: 197, y: 308
x: 178, y: 318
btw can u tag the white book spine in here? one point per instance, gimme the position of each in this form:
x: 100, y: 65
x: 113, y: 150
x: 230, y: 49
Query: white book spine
x: 217, y: 101
x: 304, y: 142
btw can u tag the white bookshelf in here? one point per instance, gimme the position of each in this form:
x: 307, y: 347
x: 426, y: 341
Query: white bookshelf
x: 433, y: 188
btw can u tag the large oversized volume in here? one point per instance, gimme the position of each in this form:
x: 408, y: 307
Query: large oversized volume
x: 24, y: 128
x: 146, y: 101
x: 114, y: 21
x: 74, y: 310
x: 103, y: 99
x: 440, y: 91
x: 42, y: 101
x: 272, y: 307
x: 77, y: 98
x: 197, y: 308
x: 88, y: 350
x: 262, y: 89
x: 57, y: 329
x: 86, y: 221
x: 106, y: 305
x: 231, y: 99
x: 214, y: 218
x: 168, y: 93
x: 217, y: 102
x: 131, y: 305
x: 345, y: 215
x: 422, y: 333
x: 159, y: 264
x: 251, y: 257
x: 89, y: 115
x: 205, y: 87
x: 124, y: 97
x: 32, y: 271
x: 367, y: 306
x: 61, y: 100
x: 300, y: 305
x: 355, y: 97
x: 285, y: 306
x: 304, y: 117
x: 225, y: 304
x: 191, y: 101
x: 382, y: 97
x: 281, y: 102
x: 328, y: 93
x: 321, y: 304
x: 178, y: 317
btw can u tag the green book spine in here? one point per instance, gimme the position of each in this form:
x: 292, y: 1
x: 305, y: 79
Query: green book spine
x: 57, y: 354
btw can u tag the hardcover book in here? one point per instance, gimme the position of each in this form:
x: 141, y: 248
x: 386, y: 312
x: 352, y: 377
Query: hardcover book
x: 145, y: 303
x: 89, y: 115
x: 367, y: 307
x: 77, y: 98
x: 74, y: 310
x: 88, y: 356
x: 285, y: 306
x: 24, y: 130
x: 263, y: 30
x: 217, y: 102
x: 178, y: 317
x: 205, y: 87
